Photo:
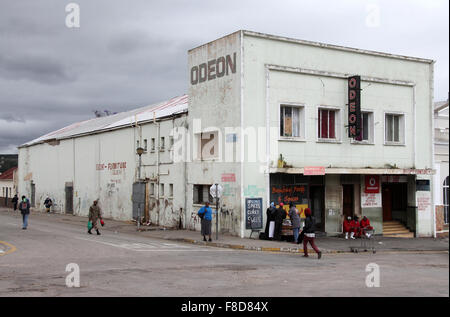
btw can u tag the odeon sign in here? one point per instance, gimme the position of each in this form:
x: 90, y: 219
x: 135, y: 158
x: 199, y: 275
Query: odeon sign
x: 215, y: 68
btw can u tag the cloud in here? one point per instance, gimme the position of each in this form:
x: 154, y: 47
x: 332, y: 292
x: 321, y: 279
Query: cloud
x: 130, y: 54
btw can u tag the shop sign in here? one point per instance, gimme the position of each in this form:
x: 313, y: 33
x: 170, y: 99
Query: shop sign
x: 371, y: 200
x: 296, y: 194
x: 423, y: 185
x: 228, y: 177
x: 253, y: 213
x: 354, y: 106
x: 372, y: 184
x: 314, y: 170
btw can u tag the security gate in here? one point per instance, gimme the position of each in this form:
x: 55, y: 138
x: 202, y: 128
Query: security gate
x: 138, y: 200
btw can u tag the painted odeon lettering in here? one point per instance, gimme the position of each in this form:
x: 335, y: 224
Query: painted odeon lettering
x: 215, y: 68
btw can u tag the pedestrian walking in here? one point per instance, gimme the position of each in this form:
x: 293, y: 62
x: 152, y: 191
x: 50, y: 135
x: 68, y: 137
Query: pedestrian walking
x: 279, y: 217
x: 310, y: 236
x: 24, y: 208
x: 95, y: 214
x: 205, y: 213
x: 48, y: 203
x: 270, y: 223
x: 15, y: 200
x: 294, y: 215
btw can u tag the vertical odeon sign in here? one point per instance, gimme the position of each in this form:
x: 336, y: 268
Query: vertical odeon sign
x: 354, y: 106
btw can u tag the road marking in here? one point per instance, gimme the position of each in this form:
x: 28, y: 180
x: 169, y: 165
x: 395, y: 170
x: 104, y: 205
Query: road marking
x: 148, y: 247
x: 11, y: 248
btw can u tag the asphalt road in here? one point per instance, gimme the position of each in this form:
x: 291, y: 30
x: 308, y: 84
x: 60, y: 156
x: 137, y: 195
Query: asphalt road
x: 33, y: 263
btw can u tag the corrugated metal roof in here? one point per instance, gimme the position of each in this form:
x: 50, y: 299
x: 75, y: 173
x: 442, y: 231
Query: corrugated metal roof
x: 173, y: 106
x: 8, y: 174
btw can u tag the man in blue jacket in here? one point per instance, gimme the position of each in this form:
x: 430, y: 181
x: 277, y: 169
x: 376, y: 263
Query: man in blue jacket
x: 24, y: 208
x: 205, y: 213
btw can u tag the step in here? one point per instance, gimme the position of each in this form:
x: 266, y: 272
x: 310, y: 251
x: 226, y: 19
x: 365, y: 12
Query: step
x: 403, y: 235
x: 396, y: 231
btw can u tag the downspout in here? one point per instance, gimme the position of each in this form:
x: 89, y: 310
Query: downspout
x: 432, y: 144
x: 242, y: 138
x: 157, y: 166
x: 267, y: 176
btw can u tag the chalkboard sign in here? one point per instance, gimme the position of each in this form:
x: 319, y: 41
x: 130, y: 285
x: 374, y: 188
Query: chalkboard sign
x: 253, y: 213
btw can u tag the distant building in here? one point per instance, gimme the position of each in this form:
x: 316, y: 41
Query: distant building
x: 441, y: 156
x: 268, y: 118
x: 8, y: 161
x: 8, y: 186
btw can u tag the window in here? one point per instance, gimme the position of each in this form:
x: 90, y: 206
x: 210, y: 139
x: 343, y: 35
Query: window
x: 201, y: 194
x: 153, y: 144
x: 394, y: 126
x: 207, y: 145
x: 137, y: 144
x: 446, y: 197
x: 161, y: 144
x: 291, y: 121
x: 145, y: 145
x: 170, y: 190
x: 161, y: 190
x: 367, y: 128
x: 327, y: 123
x: 152, y: 189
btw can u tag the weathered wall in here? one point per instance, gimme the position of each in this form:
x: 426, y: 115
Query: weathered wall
x: 215, y: 105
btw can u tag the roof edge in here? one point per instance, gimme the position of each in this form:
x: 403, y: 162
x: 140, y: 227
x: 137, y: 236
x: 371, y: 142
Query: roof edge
x: 337, y: 47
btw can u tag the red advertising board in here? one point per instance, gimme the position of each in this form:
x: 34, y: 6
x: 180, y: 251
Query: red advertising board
x: 372, y: 184
x: 314, y: 170
x: 228, y: 177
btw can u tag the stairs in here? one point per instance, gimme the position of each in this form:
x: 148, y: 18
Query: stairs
x: 395, y: 229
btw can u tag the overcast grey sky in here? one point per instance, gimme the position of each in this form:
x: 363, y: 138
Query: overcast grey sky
x: 128, y: 54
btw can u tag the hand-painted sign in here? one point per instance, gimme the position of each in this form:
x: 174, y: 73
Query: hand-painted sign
x: 286, y: 194
x: 372, y: 184
x: 354, y: 106
x: 253, y: 213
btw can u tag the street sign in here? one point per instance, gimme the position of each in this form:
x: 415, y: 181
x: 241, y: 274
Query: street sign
x: 216, y: 189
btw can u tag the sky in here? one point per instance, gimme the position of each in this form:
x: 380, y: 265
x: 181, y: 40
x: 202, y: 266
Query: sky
x: 129, y: 54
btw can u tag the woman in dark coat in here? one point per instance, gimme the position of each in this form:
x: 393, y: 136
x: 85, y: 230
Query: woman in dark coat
x: 279, y: 216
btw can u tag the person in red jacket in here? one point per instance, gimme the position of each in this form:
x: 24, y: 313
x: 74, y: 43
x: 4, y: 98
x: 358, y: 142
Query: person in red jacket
x: 355, y: 228
x: 365, y: 225
x: 347, y: 226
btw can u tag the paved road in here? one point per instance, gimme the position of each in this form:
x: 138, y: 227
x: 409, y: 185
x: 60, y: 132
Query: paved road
x: 33, y: 263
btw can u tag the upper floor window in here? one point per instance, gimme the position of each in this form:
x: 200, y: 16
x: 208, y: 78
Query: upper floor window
x: 291, y: 121
x: 328, y: 123
x: 394, y: 128
x: 367, y: 128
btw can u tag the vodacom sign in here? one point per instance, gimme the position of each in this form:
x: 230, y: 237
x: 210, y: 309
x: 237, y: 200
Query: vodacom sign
x: 372, y: 184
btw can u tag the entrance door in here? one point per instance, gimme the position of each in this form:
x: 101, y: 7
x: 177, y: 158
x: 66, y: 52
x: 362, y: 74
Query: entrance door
x: 69, y: 199
x: 6, y: 199
x: 348, y: 200
x: 33, y: 194
x: 387, y: 203
x: 317, y: 199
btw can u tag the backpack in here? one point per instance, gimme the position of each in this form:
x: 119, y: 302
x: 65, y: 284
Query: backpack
x: 24, y: 205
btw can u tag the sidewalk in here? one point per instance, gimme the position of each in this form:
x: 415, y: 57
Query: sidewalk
x: 325, y: 244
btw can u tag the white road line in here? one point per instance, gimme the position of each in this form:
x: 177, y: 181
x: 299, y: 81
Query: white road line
x: 141, y: 247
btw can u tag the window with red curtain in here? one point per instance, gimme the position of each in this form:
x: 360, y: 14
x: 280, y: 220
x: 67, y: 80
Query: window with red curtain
x: 327, y: 129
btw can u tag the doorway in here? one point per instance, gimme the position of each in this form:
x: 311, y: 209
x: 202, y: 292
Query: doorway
x: 317, y: 203
x: 33, y: 194
x: 348, y: 200
x: 69, y: 199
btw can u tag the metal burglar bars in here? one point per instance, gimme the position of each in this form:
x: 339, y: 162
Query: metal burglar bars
x: 354, y: 106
